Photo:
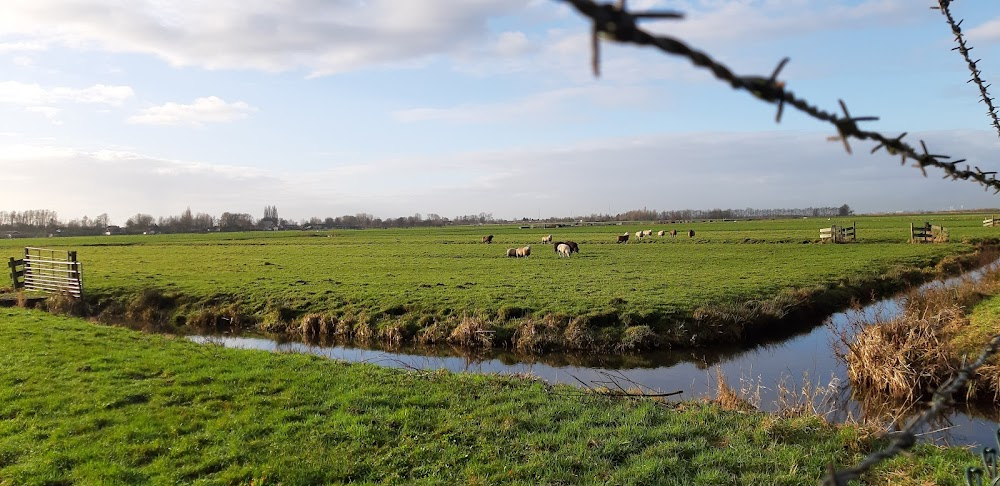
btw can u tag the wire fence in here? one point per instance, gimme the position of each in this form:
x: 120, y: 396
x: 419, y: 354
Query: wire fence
x: 615, y: 22
x: 963, y: 48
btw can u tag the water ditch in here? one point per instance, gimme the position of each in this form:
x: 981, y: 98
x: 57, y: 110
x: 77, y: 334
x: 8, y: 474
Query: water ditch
x: 775, y: 372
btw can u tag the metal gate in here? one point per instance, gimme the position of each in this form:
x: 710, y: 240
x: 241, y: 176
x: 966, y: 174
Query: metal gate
x: 49, y: 271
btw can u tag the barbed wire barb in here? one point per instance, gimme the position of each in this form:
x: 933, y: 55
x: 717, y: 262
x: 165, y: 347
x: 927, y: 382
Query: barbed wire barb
x: 964, y: 48
x: 614, y: 22
x: 906, y: 438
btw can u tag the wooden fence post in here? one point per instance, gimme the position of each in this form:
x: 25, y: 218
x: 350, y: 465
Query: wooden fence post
x: 13, y: 272
x: 77, y: 274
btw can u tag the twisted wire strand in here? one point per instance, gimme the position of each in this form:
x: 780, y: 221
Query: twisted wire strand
x: 617, y: 23
x: 906, y: 438
x: 964, y: 49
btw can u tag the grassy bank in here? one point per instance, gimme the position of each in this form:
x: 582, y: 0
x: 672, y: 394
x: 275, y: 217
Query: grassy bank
x: 732, y: 281
x: 88, y: 404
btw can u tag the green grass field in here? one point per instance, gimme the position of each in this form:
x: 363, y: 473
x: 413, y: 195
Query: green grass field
x: 82, y: 403
x: 411, y: 279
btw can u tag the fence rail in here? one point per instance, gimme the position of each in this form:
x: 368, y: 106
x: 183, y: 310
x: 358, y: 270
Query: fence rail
x: 928, y: 233
x: 46, y: 270
x: 991, y: 221
x: 839, y: 234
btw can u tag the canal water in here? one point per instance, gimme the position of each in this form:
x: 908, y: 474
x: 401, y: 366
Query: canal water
x: 773, y: 373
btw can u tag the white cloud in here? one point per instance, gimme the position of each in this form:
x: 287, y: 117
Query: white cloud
x: 23, y: 61
x: 989, y: 31
x: 512, y: 44
x: 49, y: 112
x: 203, y: 110
x: 323, y: 37
x: 17, y: 93
x: 666, y: 171
x: 543, y: 105
x: 7, y: 47
x: 753, y: 20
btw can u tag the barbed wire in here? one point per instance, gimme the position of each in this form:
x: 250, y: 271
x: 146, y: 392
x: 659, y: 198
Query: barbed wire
x: 973, y: 65
x: 907, y: 438
x: 615, y: 22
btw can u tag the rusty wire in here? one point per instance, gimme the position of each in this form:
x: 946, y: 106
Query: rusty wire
x: 615, y: 22
x: 907, y: 438
x: 963, y: 48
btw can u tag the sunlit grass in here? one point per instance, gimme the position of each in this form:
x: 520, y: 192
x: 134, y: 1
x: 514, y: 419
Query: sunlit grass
x: 87, y: 404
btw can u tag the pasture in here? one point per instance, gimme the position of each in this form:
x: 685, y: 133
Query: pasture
x: 413, y: 278
x: 90, y: 404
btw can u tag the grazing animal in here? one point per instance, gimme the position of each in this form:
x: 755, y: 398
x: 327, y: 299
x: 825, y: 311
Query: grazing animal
x: 673, y: 232
x: 647, y: 233
x: 523, y: 252
x: 570, y: 245
x: 488, y: 239
x: 661, y: 233
x: 512, y: 252
x: 563, y: 249
x: 638, y: 234
x: 622, y: 238
x: 547, y: 239
x: 690, y: 233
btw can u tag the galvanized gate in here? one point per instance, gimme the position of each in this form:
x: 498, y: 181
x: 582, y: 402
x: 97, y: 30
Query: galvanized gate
x: 49, y: 271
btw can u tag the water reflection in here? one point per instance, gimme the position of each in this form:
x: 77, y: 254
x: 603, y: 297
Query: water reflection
x: 774, y: 371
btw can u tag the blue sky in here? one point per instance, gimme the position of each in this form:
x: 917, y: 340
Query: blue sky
x: 392, y: 107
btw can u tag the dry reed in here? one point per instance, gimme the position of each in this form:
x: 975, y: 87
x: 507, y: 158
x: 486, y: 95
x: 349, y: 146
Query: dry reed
x: 907, y: 357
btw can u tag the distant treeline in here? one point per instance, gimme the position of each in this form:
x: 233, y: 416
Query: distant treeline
x: 41, y: 222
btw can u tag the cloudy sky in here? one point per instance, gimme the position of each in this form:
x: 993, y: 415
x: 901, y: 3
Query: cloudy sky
x: 392, y: 107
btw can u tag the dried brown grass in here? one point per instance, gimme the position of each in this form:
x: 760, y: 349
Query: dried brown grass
x: 436, y: 332
x: 905, y: 358
x: 317, y: 327
x: 63, y: 303
x: 536, y: 335
x: 728, y: 398
x: 578, y: 334
x: 226, y: 318
x: 807, y: 398
x: 472, y: 332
